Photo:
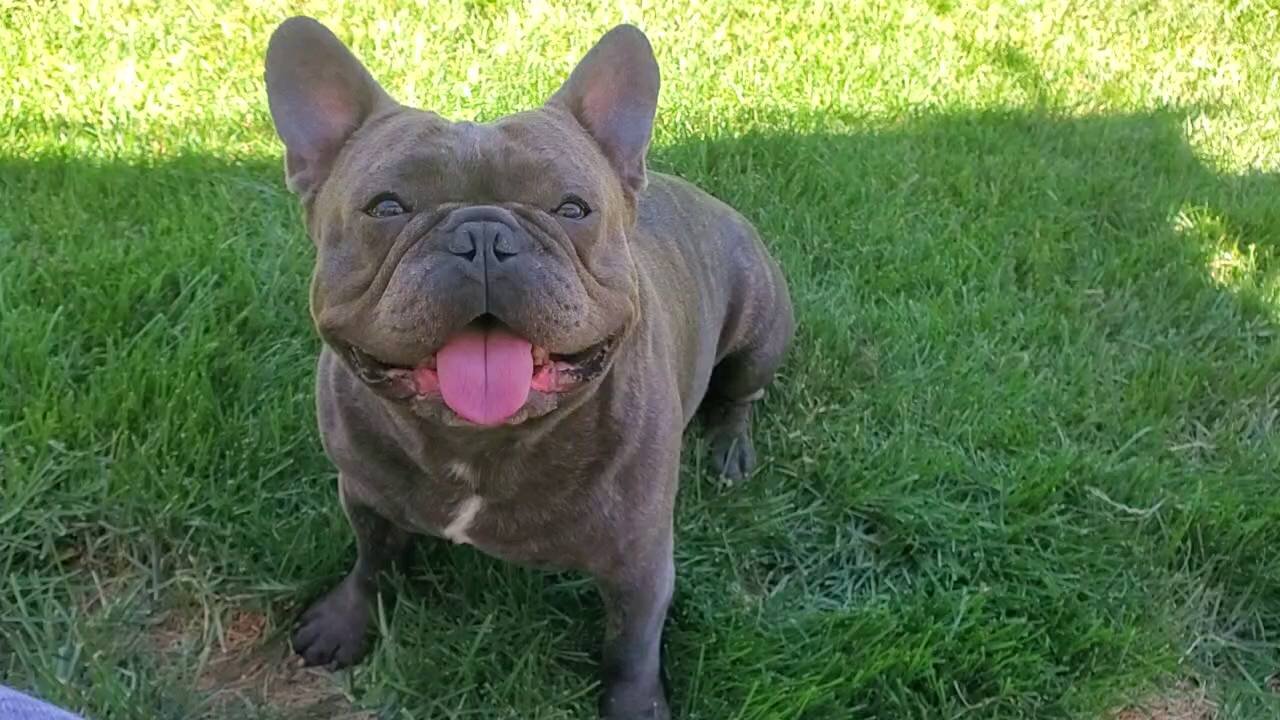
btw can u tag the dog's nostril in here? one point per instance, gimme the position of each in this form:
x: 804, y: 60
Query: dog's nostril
x: 503, y: 244
x: 463, y: 244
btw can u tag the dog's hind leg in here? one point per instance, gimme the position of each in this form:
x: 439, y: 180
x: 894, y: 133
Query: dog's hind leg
x: 738, y: 381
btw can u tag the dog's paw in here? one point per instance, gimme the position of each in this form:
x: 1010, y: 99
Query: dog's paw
x: 733, y: 455
x: 623, y: 701
x: 335, y: 630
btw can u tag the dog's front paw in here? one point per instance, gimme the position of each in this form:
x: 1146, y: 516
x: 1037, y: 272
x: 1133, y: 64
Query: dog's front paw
x: 335, y: 630
x: 629, y: 701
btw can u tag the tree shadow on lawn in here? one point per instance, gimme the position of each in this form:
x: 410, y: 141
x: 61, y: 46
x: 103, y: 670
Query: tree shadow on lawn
x: 1029, y: 428
x: 1021, y: 456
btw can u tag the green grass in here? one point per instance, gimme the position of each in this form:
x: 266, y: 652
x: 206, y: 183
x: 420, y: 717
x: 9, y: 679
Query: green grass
x: 1022, y: 463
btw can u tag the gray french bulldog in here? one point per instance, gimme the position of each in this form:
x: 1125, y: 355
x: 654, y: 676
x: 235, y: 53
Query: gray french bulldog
x: 518, y: 322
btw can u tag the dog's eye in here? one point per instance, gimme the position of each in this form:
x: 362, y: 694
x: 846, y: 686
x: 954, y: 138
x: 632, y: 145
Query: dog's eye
x: 573, y: 208
x: 384, y: 206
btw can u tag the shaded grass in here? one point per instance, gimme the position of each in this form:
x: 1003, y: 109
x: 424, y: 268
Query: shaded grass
x: 1022, y: 462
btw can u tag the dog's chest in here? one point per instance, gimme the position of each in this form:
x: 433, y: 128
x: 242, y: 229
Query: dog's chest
x: 493, y: 507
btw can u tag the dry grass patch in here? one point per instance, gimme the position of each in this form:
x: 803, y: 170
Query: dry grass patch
x: 245, y: 664
x: 1186, y: 701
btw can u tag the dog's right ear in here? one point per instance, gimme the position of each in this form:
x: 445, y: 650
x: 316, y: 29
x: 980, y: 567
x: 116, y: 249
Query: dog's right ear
x: 319, y: 94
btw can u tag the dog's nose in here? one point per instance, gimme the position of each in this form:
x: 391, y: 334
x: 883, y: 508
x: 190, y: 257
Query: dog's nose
x: 486, y: 237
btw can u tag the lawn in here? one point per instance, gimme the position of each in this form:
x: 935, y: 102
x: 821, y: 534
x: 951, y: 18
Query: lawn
x: 1021, y: 463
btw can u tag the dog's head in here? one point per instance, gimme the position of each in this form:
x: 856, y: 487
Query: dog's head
x: 479, y: 273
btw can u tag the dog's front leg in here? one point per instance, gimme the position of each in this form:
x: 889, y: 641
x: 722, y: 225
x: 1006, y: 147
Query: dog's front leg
x: 335, y: 630
x: 636, y: 595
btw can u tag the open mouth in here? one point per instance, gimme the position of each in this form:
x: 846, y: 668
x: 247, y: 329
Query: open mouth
x: 485, y: 373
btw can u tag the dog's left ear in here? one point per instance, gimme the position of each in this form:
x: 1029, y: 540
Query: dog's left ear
x: 613, y: 93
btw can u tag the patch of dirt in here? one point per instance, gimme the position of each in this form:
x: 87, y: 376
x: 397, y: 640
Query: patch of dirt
x: 239, y: 660
x: 247, y: 663
x: 1186, y: 701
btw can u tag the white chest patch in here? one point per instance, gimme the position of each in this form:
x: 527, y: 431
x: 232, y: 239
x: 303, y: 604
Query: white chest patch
x: 462, y: 518
x: 462, y: 472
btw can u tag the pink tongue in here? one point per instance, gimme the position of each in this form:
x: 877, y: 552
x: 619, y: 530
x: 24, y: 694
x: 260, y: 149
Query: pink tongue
x: 485, y: 374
